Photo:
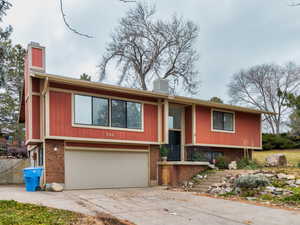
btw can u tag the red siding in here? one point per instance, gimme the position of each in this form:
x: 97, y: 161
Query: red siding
x: 102, y: 92
x: 37, y: 57
x: 247, y: 129
x: 35, y: 117
x: 114, y: 146
x: 26, y: 121
x: 188, y: 125
x: 35, y: 84
x: 61, y: 122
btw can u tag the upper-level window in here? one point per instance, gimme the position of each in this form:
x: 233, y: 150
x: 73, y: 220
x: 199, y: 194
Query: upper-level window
x: 126, y: 114
x: 97, y: 111
x: 91, y: 110
x: 223, y: 121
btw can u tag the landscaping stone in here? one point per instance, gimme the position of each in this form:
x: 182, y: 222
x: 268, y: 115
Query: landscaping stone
x: 232, y: 165
x: 276, y: 160
x: 281, y: 176
x: 297, y: 182
x: 290, y: 177
x: 54, y: 187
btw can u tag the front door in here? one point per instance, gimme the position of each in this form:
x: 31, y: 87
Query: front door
x: 174, y: 145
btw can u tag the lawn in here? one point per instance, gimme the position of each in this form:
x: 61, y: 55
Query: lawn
x: 292, y: 155
x: 15, y: 213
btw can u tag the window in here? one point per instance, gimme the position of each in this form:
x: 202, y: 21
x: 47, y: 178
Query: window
x: 41, y: 156
x: 223, y: 121
x: 174, y: 118
x: 126, y: 114
x: 100, y: 111
x: 89, y: 110
x: 83, y: 109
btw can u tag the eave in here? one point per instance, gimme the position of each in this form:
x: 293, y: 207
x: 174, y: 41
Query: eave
x: 172, y: 99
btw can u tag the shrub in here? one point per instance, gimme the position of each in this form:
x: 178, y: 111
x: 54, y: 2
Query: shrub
x: 164, y: 151
x: 298, y: 164
x: 251, y: 181
x: 222, y: 162
x: 267, y: 197
x: 199, y: 156
x: 248, y: 164
x: 282, y: 141
x: 278, y: 183
x: 292, y: 199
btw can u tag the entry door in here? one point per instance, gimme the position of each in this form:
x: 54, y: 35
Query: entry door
x: 174, y: 145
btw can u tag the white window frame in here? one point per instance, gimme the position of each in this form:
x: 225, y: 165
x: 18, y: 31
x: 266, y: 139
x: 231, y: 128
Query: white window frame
x: 212, y: 121
x: 109, y: 127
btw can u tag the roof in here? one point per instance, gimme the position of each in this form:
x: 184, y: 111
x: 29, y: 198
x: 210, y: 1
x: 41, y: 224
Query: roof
x: 171, y: 98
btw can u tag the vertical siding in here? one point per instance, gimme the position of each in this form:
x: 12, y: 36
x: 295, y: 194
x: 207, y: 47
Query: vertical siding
x: 37, y: 57
x: 35, y: 117
x: 247, y: 129
x: 61, y: 122
x: 35, y: 84
x: 188, y: 125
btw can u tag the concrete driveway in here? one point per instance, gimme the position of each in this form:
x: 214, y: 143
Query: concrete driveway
x: 149, y: 206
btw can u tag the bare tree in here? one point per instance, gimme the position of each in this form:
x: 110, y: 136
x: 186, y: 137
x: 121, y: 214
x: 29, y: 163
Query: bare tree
x: 144, y: 49
x: 4, y: 5
x: 260, y: 87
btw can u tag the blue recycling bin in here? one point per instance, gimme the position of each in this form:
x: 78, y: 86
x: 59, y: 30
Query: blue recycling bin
x: 32, y: 178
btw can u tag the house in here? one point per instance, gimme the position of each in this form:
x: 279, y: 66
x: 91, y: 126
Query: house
x: 94, y: 135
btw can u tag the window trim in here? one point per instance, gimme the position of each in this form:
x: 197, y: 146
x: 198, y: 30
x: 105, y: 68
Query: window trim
x: 212, y: 121
x: 109, y: 127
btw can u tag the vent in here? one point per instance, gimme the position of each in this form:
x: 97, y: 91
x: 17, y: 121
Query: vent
x: 161, y: 86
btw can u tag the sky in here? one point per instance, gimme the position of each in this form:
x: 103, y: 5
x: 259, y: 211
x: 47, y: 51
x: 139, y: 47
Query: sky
x: 233, y: 34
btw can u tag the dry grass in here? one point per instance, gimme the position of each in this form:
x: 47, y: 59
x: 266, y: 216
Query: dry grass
x: 292, y: 155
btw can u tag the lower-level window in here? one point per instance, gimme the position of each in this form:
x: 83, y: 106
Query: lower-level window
x: 41, y: 156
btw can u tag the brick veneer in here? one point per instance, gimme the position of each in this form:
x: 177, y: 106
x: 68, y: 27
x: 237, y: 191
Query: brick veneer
x: 154, y: 158
x: 174, y: 175
x: 54, y: 161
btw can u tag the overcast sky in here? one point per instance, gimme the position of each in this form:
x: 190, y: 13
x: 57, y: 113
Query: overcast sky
x: 234, y: 34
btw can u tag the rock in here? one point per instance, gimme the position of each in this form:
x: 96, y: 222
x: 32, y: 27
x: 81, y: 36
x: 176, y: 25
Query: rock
x: 297, y: 182
x: 54, y: 187
x: 290, y: 182
x: 232, y: 165
x: 290, y: 177
x: 276, y: 160
x: 251, y: 198
x: 269, y: 175
x: 281, y: 176
x: 199, y: 176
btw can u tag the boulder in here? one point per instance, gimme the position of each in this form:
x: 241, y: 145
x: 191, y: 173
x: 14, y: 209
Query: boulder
x: 54, y: 187
x: 297, y: 182
x: 281, y: 176
x: 232, y: 165
x: 276, y: 160
x: 290, y: 177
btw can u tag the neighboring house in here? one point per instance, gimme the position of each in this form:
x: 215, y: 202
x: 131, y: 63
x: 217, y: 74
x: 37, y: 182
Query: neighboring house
x: 93, y: 135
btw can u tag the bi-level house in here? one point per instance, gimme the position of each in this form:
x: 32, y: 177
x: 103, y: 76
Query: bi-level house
x: 93, y: 135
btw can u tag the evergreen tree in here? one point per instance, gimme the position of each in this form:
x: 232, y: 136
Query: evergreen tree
x: 85, y: 76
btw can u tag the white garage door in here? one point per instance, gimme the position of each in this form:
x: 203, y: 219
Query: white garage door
x: 105, y: 169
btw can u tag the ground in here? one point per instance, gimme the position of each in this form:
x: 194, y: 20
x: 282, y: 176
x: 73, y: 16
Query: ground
x: 293, y: 155
x: 156, y: 206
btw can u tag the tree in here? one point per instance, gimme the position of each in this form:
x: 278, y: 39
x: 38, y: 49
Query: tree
x: 216, y: 99
x: 260, y: 87
x: 145, y: 48
x: 85, y: 76
x: 11, y: 91
x: 293, y: 101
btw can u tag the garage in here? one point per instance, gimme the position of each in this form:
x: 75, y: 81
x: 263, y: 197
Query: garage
x: 86, y: 169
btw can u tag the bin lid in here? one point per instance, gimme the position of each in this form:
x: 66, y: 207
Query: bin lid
x: 33, y: 168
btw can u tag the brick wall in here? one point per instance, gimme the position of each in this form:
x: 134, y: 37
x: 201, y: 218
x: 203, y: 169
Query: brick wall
x: 174, y: 175
x: 54, y: 161
x: 154, y: 158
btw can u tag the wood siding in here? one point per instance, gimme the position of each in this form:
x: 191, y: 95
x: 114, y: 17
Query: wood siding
x: 37, y: 57
x: 36, y: 117
x: 188, y: 125
x: 61, y: 122
x: 247, y: 129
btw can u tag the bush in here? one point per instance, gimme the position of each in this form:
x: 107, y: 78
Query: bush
x: 298, y: 164
x: 222, y: 162
x: 251, y: 181
x: 248, y: 164
x: 164, y: 151
x: 292, y: 199
x: 199, y: 156
x: 282, y: 141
